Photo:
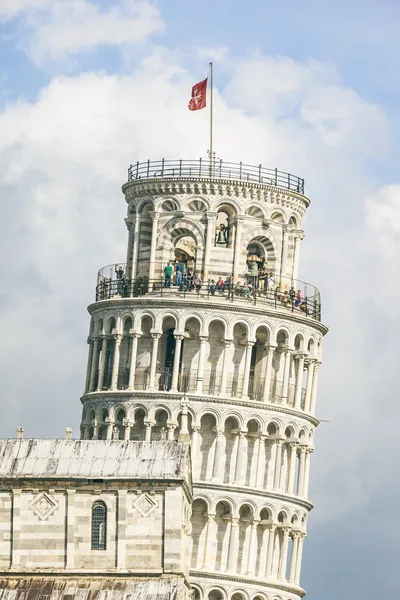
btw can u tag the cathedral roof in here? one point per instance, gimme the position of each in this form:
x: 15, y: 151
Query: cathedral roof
x: 90, y: 588
x: 93, y: 459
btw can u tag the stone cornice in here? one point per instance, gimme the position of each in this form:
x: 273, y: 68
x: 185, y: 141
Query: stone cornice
x: 114, y: 396
x: 140, y: 188
x: 258, y: 582
x: 249, y: 491
x: 163, y: 302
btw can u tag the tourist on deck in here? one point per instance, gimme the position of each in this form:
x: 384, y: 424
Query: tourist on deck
x: 292, y: 294
x: 197, y: 282
x: 179, y: 274
x: 297, y: 302
x: 119, y: 271
x: 220, y: 285
x: 168, y: 270
x: 213, y: 287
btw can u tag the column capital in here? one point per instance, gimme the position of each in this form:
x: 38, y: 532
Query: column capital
x: 135, y: 334
x: 239, y: 219
x: 242, y: 433
x: 297, y: 355
x: 148, y: 424
x: 270, y: 348
x: 271, y: 526
x: 171, y: 426
x: 295, y: 534
x: 179, y: 337
x: 156, y: 335
x: 286, y: 529
x: 293, y: 444
x: 117, y: 337
x: 227, y: 342
x: 235, y: 521
x: 302, y: 448
x: 154, y: 214
x: 195, y: 428
x: 309, y: 450
x: 250, y: 343
x: 203, y: 339
x: 211, y: 215
x: 210, y: 517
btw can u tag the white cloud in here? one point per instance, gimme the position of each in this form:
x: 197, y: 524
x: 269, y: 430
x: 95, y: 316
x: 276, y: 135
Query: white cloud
x: 63, y: 159
x: 11, y: 8
x: 58, y: 29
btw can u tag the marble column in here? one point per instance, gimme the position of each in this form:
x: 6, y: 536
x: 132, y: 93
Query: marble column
x: 309, y: 451
x: 293, y: 558
x: 286, y: 375
x: 252, y: 555
x: 233, y: 546
x: 207, y: 554
x: 147, y: 435
x: 299, y: 381
x: 132, y: 366
x: 135, y: 249
x: 115, y: 368
x: 310, y: 375
x: 95, y: 362
x: 238, y: 248
x: 260, y: 462
x: 127, y: 429
x: 302, y: 464
x: 278, y: 464
x: 102, y: 363
x: 241, y: 458
x: 153, y: 364
x: 193, y: 448
x: 313, y: 398
x: 218, y: 457
x: 270, y: 550
x: 210, y: 237
x: 224, y: 376
x: 247, y: 366
x: 177, y: 359
x: 268, y: 373
x: 283, y: 556
x: 292, y: 467
x: 170, y: 431
x: 202, y: 358
x: 299, y: 559
x: 153, y: 247
x: 89, y: 366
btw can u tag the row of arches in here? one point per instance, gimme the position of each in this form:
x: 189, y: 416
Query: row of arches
x: 256, y: 209
x: 180, y: 356
x: 247, y: 543
x: 229, y: 453
x: 217, y: 592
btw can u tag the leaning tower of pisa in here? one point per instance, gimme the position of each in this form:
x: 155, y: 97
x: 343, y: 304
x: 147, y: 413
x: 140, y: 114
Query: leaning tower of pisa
x: 206, y: 335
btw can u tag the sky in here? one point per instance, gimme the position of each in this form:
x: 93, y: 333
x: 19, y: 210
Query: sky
x: 88, y: 87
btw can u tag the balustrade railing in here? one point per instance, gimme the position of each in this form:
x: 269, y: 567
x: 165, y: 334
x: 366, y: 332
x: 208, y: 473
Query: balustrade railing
x: 215, y: 169
x: 294, y: 295
x: 212, y: 381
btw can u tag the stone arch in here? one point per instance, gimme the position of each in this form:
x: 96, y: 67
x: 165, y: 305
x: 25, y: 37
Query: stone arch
x: 257, y: 211
x: 111, y: 324
x: 143, y: 202
x: 293, y: 220
x: 240, y: 594
x: 216, y: 593
x: 119, y: 419
x: 168, y: 204
x: 200, y: 509
x: 179, y: 227
x: 277, y: 216
x: 139, y: 318
x: 157, y: 407
x: 102, y: 416
x: 205, y: 460
x: 231, y: 427
x: 197, y: 203
x: 223, y: 517
x: 254, y: 429
x: 247, y: 510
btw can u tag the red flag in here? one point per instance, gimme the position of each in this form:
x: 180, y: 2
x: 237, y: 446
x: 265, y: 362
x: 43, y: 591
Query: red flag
x: 199, y: 93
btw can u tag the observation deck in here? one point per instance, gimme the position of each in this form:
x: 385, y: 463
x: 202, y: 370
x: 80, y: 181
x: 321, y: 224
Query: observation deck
x: 293, y: 295
x: 216, y: 169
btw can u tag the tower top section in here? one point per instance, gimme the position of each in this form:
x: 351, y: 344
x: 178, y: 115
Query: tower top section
x: 214, y: 177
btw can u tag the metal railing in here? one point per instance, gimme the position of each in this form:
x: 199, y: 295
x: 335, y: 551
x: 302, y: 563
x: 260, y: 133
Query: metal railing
x: 293, y: 295
x: 215, y: 169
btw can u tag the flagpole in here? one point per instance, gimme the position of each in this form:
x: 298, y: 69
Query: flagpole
x: 211, y: 118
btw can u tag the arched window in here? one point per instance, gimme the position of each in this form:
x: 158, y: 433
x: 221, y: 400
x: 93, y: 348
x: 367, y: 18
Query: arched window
x: 99, y: 526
